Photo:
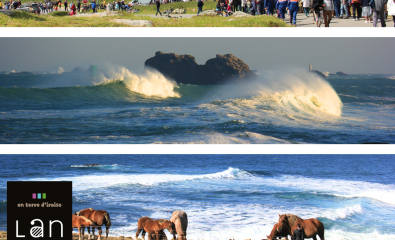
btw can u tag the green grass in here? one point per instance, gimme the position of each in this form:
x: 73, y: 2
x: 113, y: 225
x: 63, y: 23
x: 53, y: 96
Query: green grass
x: 59, y: 13
x: 24, y: 19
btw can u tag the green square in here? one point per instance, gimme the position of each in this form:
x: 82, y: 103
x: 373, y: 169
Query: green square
x: 44, y: 196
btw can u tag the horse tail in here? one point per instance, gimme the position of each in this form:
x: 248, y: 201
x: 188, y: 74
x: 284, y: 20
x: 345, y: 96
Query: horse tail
x: 321, y: 231
x: 107, y: 216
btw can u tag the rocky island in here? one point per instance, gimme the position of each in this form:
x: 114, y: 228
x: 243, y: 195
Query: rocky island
x: 216, y: 71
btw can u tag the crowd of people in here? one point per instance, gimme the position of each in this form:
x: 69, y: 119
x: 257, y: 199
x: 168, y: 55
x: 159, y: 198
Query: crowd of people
x: 8, y: 5
x: 323, y: 10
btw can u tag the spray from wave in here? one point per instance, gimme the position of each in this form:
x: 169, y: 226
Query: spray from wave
x: 59, y: 71
x: 290, y: 92
x: 149, y: 83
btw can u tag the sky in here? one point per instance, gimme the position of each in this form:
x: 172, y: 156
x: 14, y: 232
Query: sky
x: 349, y: 55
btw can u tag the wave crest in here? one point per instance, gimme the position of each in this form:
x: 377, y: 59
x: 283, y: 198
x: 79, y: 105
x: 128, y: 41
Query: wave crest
x: 149, y: 83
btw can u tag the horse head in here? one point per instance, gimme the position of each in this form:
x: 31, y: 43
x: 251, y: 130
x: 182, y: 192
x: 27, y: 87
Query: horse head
x: 168, y: 225
x: 282, y: 222
x: 88, y: 221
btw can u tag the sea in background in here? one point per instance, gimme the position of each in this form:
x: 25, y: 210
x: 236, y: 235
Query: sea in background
x: 225, y: 196
x: 118, y: 106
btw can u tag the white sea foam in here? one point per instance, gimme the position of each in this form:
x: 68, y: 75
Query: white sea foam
x: 85, y: 166
x: 99, y: 181
x: 240, y: 221
x: 150, y: 82
x: 220, y: 138
x: 342, y: 213
x: 342, y: 188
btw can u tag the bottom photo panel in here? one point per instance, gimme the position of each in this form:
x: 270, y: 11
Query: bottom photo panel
x: 197, y: 197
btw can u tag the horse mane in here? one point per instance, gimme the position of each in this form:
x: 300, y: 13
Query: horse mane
x: 91, y: 209
x: 292, y: 219
x: 162, y: 221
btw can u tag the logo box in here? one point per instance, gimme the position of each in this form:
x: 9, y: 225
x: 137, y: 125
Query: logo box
x: 39, y: 210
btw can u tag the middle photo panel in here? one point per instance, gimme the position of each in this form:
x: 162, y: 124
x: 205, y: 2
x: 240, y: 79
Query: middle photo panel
x: 197, y: 90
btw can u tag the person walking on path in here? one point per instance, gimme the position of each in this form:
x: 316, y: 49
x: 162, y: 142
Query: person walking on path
x: 391, y: 9
x: 293, y: 7
x: 200, y: 6
x: 366, y: 10
x: 343, y: 8
x: 298, y: 233
x: 269, y: 6
x: 336, y: 6
x: 378, y: 9
x: 356, y: 6
x: 318, y: 6
x: 93, y: 4
x: 65, y: 6
x: 328, y: 10
x: 281, y: 6
x: 157, y: 8
x: 306, y: 7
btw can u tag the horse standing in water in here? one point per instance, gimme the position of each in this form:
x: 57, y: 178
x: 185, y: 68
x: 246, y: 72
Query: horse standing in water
x: 99, y: 217
x: 275, y: 233
x: 154, y: 228
x: 180, y: 224
x: 80, y: 223
x: 311, y: 227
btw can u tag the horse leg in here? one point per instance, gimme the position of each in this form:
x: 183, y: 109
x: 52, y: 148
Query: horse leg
x: 138, y: 232
x: 93, y: 233
x: 143, y: 234
x: 79, y: 233
x: 107, y: 230
x: 83, y: 233
x: 314, y: 238
x: 99, y: 233
x: 89, y: 232
x: 157, y: 235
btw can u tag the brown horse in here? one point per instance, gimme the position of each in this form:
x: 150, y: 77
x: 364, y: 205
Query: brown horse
x: 180, y: 224
x: 275, y: 233
x: 154, y: 228
x: 80, y: 223
x: 311, y: 227
x: 99, y: 217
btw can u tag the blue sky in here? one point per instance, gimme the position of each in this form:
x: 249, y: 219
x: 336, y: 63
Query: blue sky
x: 350, y: 55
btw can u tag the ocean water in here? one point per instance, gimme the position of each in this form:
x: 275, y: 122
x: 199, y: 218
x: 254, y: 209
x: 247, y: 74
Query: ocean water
x: 225, y: 196
x: 118, y: 106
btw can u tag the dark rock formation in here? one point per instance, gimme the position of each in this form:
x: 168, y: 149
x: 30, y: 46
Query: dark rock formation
x: 318, y: 73
x: 341, y: 74
x: 184, y: 69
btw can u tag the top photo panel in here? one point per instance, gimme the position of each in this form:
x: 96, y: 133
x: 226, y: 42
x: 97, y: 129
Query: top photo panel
x: 197, y: 13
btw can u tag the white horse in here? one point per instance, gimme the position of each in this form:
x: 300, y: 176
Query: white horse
x: 180, y: 220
